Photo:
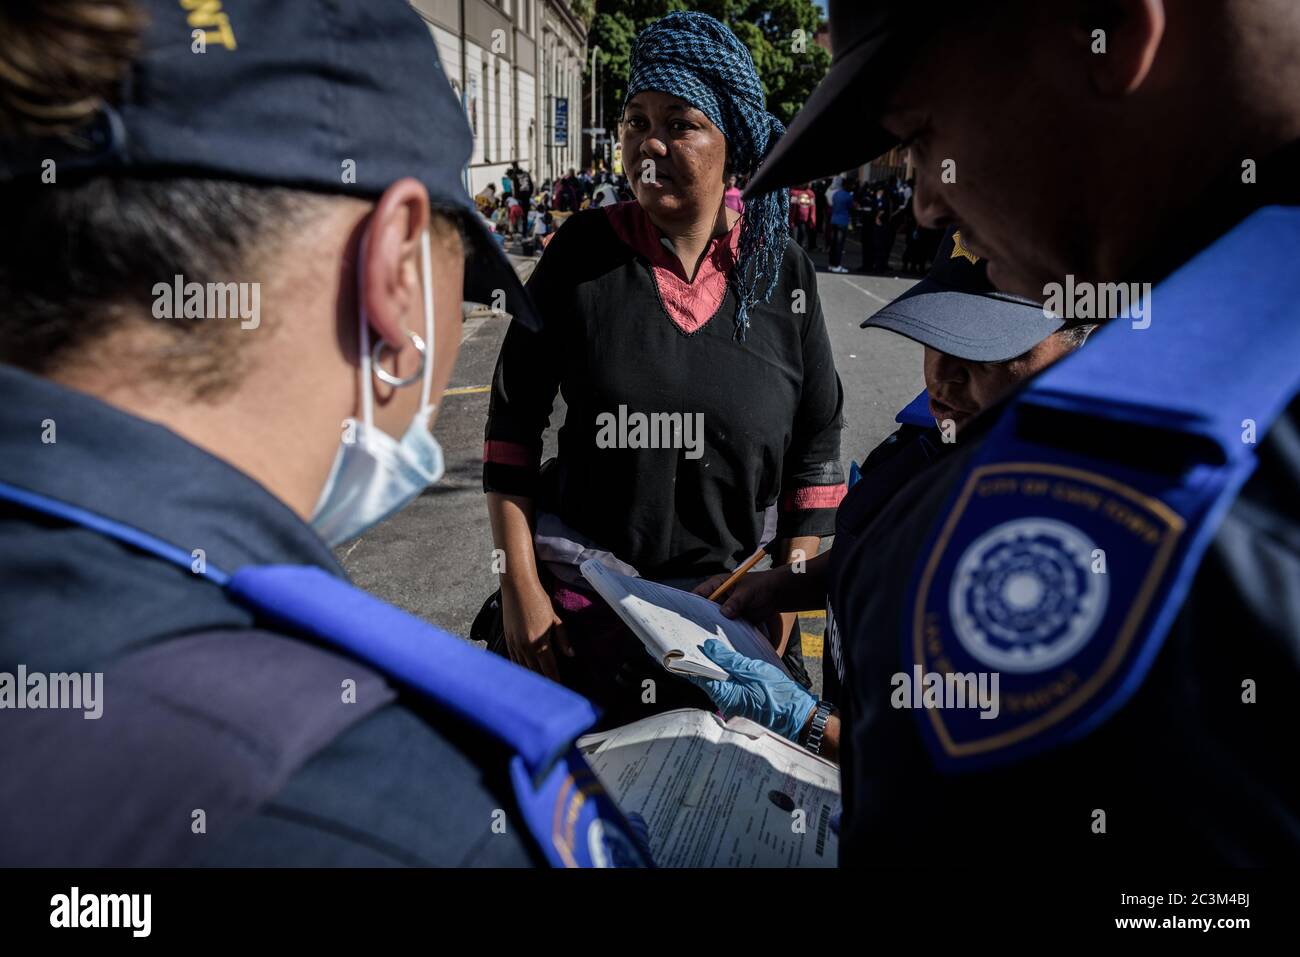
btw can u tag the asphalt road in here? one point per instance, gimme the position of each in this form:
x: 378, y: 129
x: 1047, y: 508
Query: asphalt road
x: 434, y: 558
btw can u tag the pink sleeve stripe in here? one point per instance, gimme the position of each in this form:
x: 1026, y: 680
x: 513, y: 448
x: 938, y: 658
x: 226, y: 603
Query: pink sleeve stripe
x: 813, y: 496
x: 507, y: 453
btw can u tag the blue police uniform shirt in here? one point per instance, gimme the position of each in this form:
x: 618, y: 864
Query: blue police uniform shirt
x: 1183, y: 770
x: 406, y: 785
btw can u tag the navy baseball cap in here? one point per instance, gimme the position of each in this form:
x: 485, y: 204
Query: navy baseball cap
x: 956, y: 310
x: 339, y: 96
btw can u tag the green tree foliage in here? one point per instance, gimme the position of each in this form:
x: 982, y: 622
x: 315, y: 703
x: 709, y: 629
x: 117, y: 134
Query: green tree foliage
x: 778, y: 33
x: 584, y: 10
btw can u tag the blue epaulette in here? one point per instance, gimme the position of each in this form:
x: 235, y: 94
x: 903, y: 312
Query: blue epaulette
x: 1069, y: 543
x: 572, y: 819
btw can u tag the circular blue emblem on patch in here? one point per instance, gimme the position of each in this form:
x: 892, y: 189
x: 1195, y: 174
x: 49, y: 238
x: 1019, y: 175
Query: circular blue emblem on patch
x: 1024, y: 597
x: 610, y: 847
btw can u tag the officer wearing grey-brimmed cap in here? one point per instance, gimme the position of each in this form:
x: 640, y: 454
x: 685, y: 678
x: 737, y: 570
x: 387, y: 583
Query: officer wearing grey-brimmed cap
x: 979, y: 342
x: 979, y: 345
x: 232, y: 269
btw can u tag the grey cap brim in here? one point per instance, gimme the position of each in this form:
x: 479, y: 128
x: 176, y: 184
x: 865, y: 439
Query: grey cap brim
x: 979, y: 328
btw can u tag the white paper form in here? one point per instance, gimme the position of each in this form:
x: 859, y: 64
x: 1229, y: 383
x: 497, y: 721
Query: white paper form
x: 720, y: 795
x: 672, y: 623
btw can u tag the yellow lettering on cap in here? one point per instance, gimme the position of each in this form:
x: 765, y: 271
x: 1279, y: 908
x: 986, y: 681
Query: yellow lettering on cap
x: 214, y: 21
x: 959, y: 249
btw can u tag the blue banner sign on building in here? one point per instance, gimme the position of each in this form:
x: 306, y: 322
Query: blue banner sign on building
x: 561, y: 121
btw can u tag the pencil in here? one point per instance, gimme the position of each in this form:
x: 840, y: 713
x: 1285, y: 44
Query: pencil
x: 739, y: 573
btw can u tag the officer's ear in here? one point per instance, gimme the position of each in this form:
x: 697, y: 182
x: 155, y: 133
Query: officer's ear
x: 390, y: 263
x: 1119, y: 40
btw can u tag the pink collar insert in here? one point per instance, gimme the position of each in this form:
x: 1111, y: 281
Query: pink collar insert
x: 689, y: 304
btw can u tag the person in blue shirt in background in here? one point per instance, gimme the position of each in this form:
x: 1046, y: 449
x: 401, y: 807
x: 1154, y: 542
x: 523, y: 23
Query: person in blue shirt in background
x: 842, y: 207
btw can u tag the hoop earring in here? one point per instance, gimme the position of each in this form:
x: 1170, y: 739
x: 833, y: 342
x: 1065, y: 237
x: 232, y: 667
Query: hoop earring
x: 387, y: 377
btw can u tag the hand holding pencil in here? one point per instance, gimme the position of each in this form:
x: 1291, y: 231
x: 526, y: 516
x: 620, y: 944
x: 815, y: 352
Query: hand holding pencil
x: 739, y: 573
x: 744, y: 593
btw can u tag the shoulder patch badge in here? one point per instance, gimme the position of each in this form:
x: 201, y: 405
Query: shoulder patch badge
x: 576, y: 822
x: 1043, y: 574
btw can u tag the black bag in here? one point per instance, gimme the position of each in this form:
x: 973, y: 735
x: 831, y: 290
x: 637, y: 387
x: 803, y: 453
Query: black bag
x: 489, y: 626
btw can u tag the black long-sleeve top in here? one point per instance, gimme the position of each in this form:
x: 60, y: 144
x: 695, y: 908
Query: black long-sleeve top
x: 625, y: 335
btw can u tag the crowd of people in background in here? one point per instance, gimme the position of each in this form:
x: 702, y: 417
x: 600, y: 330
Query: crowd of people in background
x: 825, y: 213
x: 877, y: 212
x: 515, y: 209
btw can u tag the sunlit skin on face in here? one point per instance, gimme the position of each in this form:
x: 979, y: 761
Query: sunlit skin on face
x: 1010, y: 209
x: 281, y: 419
x: 960, y: 389
x: 1025, y: 119
x: 686, y: 153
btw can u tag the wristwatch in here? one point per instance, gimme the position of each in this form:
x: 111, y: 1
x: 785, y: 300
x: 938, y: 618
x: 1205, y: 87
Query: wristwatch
x: 818, y: 727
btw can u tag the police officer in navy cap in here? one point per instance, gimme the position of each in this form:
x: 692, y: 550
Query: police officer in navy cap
x: 979, y: 344
x: 234, y: 253
x: 1077, y: 635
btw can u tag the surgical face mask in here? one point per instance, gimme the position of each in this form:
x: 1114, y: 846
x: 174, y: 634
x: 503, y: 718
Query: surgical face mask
x: 374, y: 474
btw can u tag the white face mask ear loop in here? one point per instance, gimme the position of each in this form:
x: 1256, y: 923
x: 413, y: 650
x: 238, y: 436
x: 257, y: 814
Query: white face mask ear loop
x: 363, y: 333
x: 426, y: 262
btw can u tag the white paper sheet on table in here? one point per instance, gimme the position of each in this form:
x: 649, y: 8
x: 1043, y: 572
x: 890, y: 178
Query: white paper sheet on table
x: 672, y: 623
x: 718, y: 794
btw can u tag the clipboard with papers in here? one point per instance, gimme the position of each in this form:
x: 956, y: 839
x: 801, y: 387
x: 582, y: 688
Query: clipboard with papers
x: 673, y: 624
x: 716, y: 793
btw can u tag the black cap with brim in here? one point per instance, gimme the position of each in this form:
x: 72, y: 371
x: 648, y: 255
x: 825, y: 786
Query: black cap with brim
x: 489, y: 273
x: 838, y: 127
x: 830, y: 133
x: 339, y: 98
x: 955, y: 310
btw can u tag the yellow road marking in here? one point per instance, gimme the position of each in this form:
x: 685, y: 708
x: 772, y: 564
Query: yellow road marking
x: 468, y: 390
x: 812, y: 645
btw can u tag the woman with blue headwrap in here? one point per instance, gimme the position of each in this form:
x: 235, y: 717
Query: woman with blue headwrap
x: 703, y: 408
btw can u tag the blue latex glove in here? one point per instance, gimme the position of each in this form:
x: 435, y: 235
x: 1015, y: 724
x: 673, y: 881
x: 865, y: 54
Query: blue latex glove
x: 757, y: 690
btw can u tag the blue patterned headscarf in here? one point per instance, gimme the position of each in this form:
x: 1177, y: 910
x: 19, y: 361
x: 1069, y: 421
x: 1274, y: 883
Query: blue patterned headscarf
x: 692, y: 56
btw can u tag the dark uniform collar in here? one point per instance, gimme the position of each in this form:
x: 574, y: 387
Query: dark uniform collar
x: 145, y: 476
